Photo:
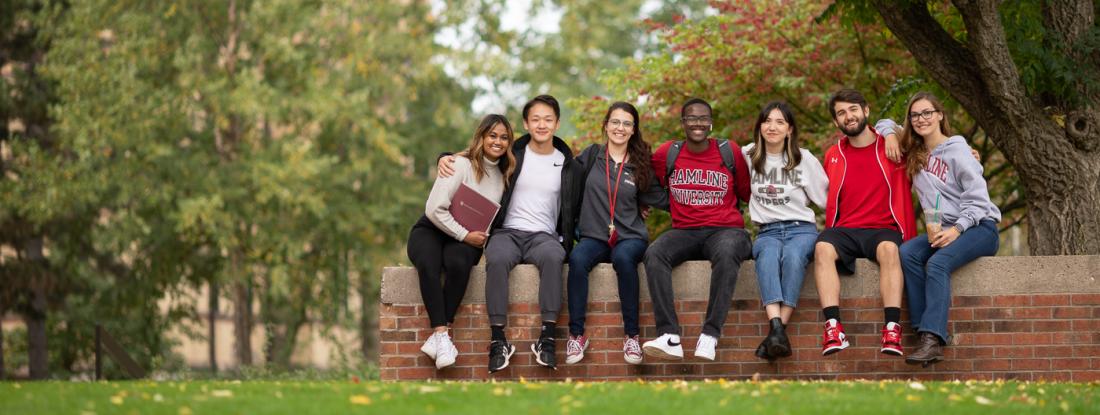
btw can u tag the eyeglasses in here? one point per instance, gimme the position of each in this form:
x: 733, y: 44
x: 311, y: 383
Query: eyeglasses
x: 617, y: 123
x: 926, y: 114
x: 690, y: 119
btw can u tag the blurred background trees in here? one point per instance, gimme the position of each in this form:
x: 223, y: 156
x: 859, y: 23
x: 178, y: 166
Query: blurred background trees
x: 264, y: 160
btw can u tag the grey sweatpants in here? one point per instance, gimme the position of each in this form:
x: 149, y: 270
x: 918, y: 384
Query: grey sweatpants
x: 725, y: 248
x: 509, y: 247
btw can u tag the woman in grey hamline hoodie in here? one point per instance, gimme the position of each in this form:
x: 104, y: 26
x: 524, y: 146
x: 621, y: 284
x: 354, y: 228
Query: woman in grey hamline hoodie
x: 948, y: 179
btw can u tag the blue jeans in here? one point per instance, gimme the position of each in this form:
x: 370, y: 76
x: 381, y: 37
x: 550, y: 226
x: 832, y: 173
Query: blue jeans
x: 782, y: 250
x: 928, y: 273
x: 625, y: 258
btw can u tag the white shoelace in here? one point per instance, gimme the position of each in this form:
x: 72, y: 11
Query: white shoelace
x: 631, y: 346
x: 573, y: 346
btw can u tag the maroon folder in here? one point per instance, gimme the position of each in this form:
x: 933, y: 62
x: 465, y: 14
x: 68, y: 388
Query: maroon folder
x: 472, y: 210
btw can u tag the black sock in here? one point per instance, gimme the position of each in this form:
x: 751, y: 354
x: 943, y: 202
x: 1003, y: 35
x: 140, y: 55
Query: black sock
x: 893, y: 314
x: 832, y: 312
x: 498, y: 333
x: 548, y: 329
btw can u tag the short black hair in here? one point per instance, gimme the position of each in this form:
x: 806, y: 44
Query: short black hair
x: 845, y: 95
x: 545, y: 100
x: 694, y: 101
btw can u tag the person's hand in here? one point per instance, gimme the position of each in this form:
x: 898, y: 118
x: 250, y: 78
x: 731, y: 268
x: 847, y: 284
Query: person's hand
x: 977, y: 155
x: 445, y: 166
x: 893, y: 149
x: 645, y: 212
x: 476, y: 239
x: 945, y: 237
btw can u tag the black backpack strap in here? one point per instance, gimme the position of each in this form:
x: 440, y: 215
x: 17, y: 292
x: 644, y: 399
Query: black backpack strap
x: 670, y: 158
x: 726, y: 150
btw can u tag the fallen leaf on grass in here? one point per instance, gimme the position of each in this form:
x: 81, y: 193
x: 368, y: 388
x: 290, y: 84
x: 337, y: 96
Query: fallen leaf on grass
x: 222, y: 393
x: 360, y: 400
x: 117, y: 399
x: 430, y: 389
x: 981, y: 400
x: 917, y: 386
x: 912, y: 398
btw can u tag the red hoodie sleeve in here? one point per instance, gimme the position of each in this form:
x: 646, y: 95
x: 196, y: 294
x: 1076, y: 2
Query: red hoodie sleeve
x: 741, y: 186
x: 657, y: 161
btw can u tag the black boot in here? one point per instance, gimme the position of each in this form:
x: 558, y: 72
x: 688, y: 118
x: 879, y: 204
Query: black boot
x: 762, y: 351
x: 777, y: 342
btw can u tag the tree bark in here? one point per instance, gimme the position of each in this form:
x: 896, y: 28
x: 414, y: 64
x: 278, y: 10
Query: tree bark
x: 3, y: 373
x: 243, y: 321
x: 1060, y: 175
x: 212, y: 318
x: 35, y: 314
x: 368, y: 321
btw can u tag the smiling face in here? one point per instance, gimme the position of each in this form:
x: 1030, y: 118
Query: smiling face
x: 619, y: 127
x: 775, y: 129
x: 697, y: 122
x: 925, y: 117
x: 495, y: 142
x: 541, y: 123
x: 850, y: 118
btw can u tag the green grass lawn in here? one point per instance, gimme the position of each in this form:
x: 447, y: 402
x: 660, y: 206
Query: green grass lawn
x: 671, y: 397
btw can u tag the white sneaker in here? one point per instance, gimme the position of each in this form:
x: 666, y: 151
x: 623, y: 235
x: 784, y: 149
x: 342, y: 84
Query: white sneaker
x: 665, y: 347
x: 704, y: 349
x: 446, y: 352
x: 431, y: 346
x: 632, y: 351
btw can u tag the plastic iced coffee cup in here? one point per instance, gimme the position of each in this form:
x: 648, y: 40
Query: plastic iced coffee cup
x: 933, y: 221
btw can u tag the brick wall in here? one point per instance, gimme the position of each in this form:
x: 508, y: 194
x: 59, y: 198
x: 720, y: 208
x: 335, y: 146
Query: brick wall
x: 1028, y: 318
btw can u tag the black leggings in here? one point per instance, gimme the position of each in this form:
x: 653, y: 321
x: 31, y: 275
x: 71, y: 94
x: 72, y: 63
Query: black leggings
x: 435, y: 253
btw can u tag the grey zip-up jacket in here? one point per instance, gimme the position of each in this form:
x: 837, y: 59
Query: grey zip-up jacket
x: 954, y: 175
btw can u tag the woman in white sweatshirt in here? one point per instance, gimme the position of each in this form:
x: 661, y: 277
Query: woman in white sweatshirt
x: 785, y: 179
x: 439, y: 245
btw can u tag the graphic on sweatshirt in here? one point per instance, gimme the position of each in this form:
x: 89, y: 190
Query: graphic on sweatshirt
x: 937, y: 167
x: 698, y: 177
x: 774, y: 187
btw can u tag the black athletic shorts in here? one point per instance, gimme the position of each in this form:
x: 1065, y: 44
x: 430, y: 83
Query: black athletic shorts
x: 854, y: 243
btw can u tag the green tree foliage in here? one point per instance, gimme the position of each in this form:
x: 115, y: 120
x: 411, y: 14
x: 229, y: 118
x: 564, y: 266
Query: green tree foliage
x: 267, y: 147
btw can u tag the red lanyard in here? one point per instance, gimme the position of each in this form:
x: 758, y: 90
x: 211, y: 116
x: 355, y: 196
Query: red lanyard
x: 612, y: 197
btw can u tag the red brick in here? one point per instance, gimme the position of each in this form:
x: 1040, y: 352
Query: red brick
x: 387, y: 323
x: 1071, y: 312
x: 1054, y: 351
x: 971, y: 301
x: 992, y: 338
x: 993, y: 313
x: 1011, y: 300
x: 1031, y: 338
x: 412, y: 373
x: 1012, y: 326
x: 982, y: 352
x: 1086, y: 351
x: 1032, y: 313
x: 1051, y: 325
x: 1050, y: 299
x: 992, y: 364
x: 960, y: 314
x: 1071, y: 338
x: 397, y: 336
x: 1013, y: 352
x: 388, y: 373
x: 1086, y: 299
x: 973, y: 326
x: 1082, y: 376
x: 1068, y: 364
x: 1030, y: 364
x: 1086, y: 325
x: 1055, y: 377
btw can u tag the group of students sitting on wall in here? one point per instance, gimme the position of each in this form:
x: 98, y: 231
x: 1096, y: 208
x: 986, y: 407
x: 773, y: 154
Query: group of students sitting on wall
x: 549, y: 198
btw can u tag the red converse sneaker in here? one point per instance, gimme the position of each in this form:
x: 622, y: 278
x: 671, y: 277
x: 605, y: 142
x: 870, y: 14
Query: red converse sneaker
x: 891, y: 339
x: 834, y: 339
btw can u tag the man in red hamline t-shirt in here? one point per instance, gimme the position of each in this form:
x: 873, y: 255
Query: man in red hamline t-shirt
x: 706, y: 224
x: 869, y: 214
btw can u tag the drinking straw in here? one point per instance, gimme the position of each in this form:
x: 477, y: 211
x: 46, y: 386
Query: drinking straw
x: 937, y: 201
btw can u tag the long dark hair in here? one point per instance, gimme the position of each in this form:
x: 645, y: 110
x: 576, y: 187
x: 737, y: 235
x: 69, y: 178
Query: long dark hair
x: 913, y: 143
x: 758, y: 154
x: 636, y: 147
x: 476, y: 151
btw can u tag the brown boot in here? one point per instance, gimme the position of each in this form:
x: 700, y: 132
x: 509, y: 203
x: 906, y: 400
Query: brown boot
x: 929, y: 350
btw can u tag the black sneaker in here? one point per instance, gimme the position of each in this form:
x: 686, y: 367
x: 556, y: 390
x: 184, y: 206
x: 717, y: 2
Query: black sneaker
x: 544, y: 352
x: 499, y: 353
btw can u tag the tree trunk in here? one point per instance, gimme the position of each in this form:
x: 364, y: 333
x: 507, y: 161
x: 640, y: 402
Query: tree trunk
x: 37, y: 350
x: 35, y: 314
x: 3, y: 373
x: 242, y: 323
x: 212, y: 318
x: 368, y: 321
x: 1057, y: 162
